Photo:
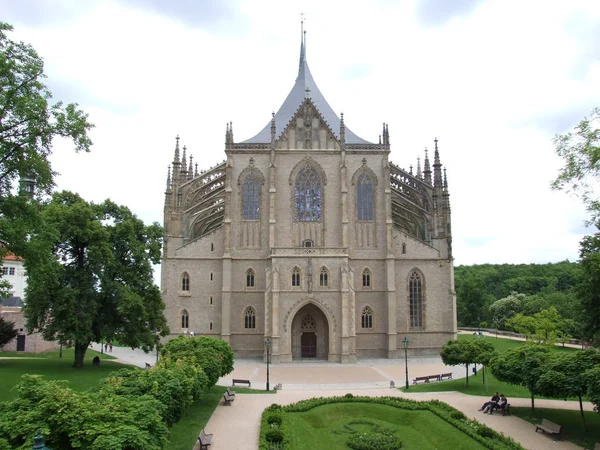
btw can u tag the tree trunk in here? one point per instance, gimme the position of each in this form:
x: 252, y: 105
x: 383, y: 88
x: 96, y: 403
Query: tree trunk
x: 483, y: 368
x: 582, y: 414
x: 467, y: 374
x: 532, y: 402
x: 80, y: 349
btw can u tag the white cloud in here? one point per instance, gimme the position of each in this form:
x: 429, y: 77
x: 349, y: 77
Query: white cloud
x: 493, y: 80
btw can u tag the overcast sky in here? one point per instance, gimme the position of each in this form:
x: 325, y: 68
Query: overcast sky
x: 493, y: 80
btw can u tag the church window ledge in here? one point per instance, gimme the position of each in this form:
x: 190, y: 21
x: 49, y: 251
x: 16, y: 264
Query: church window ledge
x: 184, y: 294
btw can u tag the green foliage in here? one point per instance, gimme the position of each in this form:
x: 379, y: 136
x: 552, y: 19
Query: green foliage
x: 5, y: 288
x: 71, y: 420
x: 29, y: 121
x: 213, y: 356
x: 504, y: 309
x: 462, y: 351
x: 522, y: 366
x: 7, y: 332
x: 377, y: 438
x: 90, y: 275
x: 580, y: 151
x: 589, y: 289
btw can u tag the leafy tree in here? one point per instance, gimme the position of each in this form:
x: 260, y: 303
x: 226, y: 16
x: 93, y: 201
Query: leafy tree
x: 7, y: 332
x: 5, y: 289
x: 74, y: 420
x: 486, y: 352
x: 588, y: 290
x: 580, y: 150
x: 213, y: 356
x: 90, y: 276
x: 470, y: 301
x: 562, y: 375
x: 522, y: 366
x: 593, y: 382
x: 29, y: 121
x: 506, y: 308
x: 466, y: 351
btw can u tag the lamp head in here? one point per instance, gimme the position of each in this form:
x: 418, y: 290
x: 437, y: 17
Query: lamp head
x: 405, y: 342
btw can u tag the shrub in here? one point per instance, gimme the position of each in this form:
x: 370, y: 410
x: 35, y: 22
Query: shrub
x: 374, y: 441
x: 274, y: 435
x: 274, y: 419
x: 349, y: 395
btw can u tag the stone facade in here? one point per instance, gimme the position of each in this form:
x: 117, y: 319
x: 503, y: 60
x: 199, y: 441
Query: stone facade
x: 308, y: 235
x: 28, y: 343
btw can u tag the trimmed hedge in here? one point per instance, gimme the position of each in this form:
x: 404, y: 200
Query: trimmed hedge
x: 483, y: 434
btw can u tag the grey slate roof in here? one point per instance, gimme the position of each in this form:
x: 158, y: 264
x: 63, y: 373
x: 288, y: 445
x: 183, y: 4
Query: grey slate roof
x: 293, y: 101
x: 12, y: 301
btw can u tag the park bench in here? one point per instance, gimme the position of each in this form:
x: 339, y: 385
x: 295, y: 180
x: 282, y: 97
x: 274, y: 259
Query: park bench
x: 426, y: 378
x: 549, y: 427
x: 238, y: 381
x: 227, y: 399
x: 230, y: 392
x: 204, y: 440
x: 446, y: 376
x: 505, y: 410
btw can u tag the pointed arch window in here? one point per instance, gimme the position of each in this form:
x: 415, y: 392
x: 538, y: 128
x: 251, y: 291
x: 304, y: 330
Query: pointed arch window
x: 185, y: 282
x: 249, y: 318
x: 251, y: 197
x: 415, y: 286
x: 324, y: 277
x: 296, y: 277
x: 250, y: 278
x: 185, y: 319
x: 366, y: 278
x: 364, y: 197
x: 366, y: 319
x: 308, y: 195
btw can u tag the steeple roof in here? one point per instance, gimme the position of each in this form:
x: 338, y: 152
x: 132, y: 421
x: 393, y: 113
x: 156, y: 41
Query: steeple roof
x: 304, y: 87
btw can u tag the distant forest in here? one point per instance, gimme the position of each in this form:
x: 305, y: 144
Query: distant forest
x: 543, y: 286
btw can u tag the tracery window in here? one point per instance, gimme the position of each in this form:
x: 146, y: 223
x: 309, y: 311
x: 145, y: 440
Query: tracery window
x: 251, y: 197
x: 323, y: 277
x: 415, y: 287
x: 308, y: 195
x: 296, y: 277
x: 249, y: 318
x: 364, y: 197
x: 185, y: 319
x: 185, y: 282
x: 250, y: 278
x: 366, y: 278
x: 308, y: 323
x: 367, y: 318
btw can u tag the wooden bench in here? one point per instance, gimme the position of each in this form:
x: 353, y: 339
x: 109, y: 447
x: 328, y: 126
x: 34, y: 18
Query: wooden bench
x: 238, y: 381
x: 426, y: 378
x: 446, y: 376
x: 230, y: 392
x: 549, y: 427
x: 228, y: 398
x: 204, y: 440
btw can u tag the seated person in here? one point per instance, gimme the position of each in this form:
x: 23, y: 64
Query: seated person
x: 494, y: 400
x: 501, y: 405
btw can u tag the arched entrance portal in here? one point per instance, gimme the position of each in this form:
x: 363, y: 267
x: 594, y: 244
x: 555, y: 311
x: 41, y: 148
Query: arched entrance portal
x: 310, y: 334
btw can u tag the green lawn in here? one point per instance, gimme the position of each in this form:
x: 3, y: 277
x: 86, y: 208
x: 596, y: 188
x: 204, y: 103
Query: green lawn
x: 55, y: 368
x: 570, y: 420
x: 502, y: 344
x: 323, y: 427
x: 185, y: 432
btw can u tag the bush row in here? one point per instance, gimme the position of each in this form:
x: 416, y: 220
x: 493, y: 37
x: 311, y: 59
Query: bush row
x: 131, y: 409
x: 486, y: 436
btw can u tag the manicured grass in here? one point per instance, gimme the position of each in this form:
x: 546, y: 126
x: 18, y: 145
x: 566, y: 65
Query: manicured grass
x: 503, y: 344
x: 323, y: 427
x: 572, y: 425
x: 54, y: 368
x: 243, y: 390
x: 185, y: 432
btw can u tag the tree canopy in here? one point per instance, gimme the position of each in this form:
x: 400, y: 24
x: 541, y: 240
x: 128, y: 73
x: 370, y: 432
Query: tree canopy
x: 90, y: 275
x: 466, y: 351
x: 7, y: 332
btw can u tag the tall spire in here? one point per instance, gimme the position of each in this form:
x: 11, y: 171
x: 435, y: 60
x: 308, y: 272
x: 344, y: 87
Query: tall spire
x: 191, y: 169
x: 304, y: 86
x: 169, y: 179
x: 437, y: 167
x: 419, y: 174
x: 427, y: 169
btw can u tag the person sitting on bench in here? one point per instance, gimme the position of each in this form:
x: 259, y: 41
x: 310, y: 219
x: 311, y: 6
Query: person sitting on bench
x: 493, y: 401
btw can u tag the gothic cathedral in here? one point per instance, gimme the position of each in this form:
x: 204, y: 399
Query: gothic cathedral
x: 309, y: 236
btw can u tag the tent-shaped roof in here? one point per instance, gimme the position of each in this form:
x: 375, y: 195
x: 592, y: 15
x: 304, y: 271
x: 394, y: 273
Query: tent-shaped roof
x: 304, y: 87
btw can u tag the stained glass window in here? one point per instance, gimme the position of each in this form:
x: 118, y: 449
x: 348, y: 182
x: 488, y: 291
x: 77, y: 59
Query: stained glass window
x: 364, y: 197
x: 323, y: 277
x: 367, y: 318
x: 308, y: 195
x: 250, y: 278
x: 366, y: 278
x: 185, y: 282
x: 185, y: 319
x: 296, y: 277
x: 251, y: 197
x: 249, y: 318
x: 416, y: 300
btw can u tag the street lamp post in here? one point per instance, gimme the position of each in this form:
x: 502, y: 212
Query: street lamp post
x: 405, y: 343
x: 268, y: 349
